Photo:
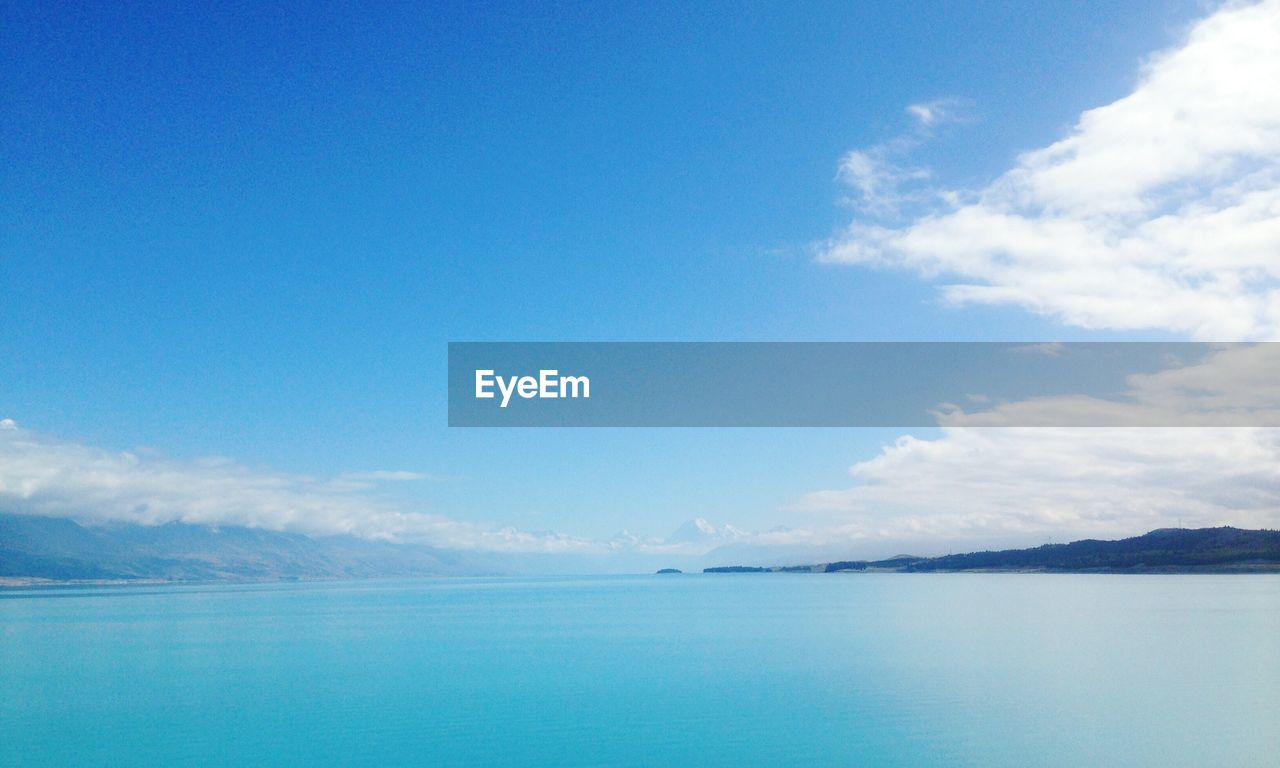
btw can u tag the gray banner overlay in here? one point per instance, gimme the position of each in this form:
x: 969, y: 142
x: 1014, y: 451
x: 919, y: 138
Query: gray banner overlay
x: 857, y: 384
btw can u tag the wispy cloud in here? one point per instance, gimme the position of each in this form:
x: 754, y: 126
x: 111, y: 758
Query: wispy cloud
x: 361, y: 481
x: 1158, y: 211
x: 939, y: 111
x: 880, y: 176
x: 383, y: 475
x: 43, y: 475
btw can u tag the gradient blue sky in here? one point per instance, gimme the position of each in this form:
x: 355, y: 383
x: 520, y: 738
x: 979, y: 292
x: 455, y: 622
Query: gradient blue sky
x: 249, y: 231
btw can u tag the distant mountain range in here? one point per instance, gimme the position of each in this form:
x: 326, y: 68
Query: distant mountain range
x: 35, y: 547
x: 1166, y: 550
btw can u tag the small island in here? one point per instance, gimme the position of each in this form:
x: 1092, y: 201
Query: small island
x: 669, y: 570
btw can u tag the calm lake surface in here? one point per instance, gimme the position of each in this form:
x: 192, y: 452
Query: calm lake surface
x: 698, y: 670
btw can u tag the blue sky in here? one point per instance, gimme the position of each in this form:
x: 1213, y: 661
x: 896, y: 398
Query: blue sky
x: 250, y: 232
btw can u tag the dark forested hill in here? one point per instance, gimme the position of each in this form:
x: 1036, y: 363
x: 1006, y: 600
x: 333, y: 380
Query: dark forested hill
x: 1166, y: 548
x: 1163, y: 550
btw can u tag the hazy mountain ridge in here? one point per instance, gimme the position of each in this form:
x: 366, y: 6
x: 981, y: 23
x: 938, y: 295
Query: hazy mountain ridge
x: 62, y: 549
x: 1222, y: 549
x: 34, y: 547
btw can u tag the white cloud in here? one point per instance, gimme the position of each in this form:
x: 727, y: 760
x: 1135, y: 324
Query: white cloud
x: 384, y: 475
x: 938, y: 111
x: 360, y: 481
x: 1159, y: 211
x: 878, y: 180
x: 985, y: 484
x: 922, y: 112
x: 879, y: 176
x: 43, y: 475
x: 985, y: 480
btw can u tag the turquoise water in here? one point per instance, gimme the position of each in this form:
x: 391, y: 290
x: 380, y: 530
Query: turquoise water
x: 739, y: 670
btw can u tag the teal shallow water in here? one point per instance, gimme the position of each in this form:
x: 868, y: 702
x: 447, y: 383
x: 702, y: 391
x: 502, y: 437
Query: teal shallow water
x: 741, y: 670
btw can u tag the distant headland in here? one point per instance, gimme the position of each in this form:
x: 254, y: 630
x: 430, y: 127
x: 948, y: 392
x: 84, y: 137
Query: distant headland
x: 1166, y: 550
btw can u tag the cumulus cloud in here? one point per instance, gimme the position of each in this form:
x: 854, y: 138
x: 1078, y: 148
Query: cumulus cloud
x: 1158, y: 211
x: 1011, y: 470
x: 984, y: 484
x: 43, y: 475
x: 1009, y: 473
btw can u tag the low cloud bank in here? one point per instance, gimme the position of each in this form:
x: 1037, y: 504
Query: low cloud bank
x: 43, y: 475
